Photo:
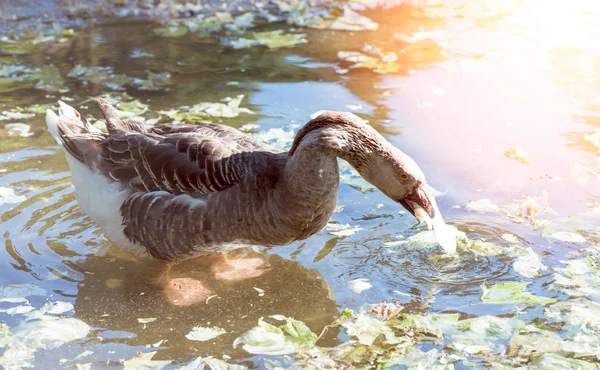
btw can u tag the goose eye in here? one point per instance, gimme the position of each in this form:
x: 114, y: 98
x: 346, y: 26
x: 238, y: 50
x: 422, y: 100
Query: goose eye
x: 404, y: 177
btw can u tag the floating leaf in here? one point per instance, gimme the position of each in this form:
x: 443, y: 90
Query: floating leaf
x: 140, y: 54
x: 17, y: 292
x: 342, y: 230
x: 528, y: 263
x: 351, y: 21
x: 154, y: 82
x: 434, y: 324
x: 18, y: 129
x: 17, y: 358
x: 579, y: 278
x: 271, y: 39
x: 512, y: 292
x: 419, y: 360
x: 552, y: 361
x: 212, y: 363
x: 49, y: 78
x: 278, y: 137
x: 272, y: 340
x: 97, y: 75
x: 482, y: 205
x: 69, y: 32
x: 170, y: 31
x: 14, y: 115
x: 18, y: 310
x: 49, y: 333
x: 203, y: 334
x: 373, y: 59
x: 359, y: 285
x: 367, y: 329
x: 518, y: 154
x: 144, y: 361
x: 201, y: 111
x: 146, y: 320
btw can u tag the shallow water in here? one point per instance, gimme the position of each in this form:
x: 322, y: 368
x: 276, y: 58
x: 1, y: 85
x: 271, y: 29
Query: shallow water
x: 478, y: 81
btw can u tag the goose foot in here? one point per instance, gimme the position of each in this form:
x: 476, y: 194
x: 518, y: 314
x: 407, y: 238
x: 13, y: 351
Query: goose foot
x: 179, y: 291
x: 237, y: 269
x: 185, y: 292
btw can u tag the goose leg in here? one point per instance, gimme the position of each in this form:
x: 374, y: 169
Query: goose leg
x: 162, y: 279
x: 237, y: 269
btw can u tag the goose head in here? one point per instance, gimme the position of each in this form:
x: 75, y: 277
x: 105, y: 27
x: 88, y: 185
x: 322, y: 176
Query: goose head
x: 393, y: 172
x: 397, y: 176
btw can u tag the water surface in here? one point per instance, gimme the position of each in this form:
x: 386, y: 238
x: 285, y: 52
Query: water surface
x: 476, y: 80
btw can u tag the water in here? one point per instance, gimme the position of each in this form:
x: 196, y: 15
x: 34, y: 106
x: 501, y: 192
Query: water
x: 478, y: 80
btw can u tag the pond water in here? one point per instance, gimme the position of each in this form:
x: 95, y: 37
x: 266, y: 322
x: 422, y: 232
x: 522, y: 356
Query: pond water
x: 468, y: 83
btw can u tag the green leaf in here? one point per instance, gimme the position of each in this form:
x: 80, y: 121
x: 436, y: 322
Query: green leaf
x: 552, y: 361
x: 512, y: 292
x: 170, y: 31
x: 134, y: 106
x: 203, y: 334
x: 272, y: 340
x: 367, y: 329
x: 69, y: 32
x: 434, y: 324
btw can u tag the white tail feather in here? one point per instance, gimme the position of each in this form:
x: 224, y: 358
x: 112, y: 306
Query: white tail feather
x: 52, y: 120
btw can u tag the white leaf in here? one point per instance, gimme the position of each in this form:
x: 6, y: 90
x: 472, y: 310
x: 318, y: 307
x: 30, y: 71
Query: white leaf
x: 50, y: 333
x: 482, y: 205
x: 203, y: 334
x: 144, y: 361
x: 359, y: 285
x: 8, y: 196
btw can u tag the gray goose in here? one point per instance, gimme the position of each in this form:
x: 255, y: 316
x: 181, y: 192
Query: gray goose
x: 180, y: 191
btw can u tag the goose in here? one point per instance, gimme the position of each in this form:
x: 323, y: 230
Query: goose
x: 177, y: 191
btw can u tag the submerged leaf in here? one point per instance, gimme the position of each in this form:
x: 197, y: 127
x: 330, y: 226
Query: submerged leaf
x: 512, y: 292
x: 203, y: 334
x: 359, y: 285
x: 49, y: 333
x: 144, y: 361
x: 100, y: 76
x: 201, y: 363
x: 18, y: 129
x: 17, y: 292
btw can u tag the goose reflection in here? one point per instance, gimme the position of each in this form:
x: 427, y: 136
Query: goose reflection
x: 115, y: 293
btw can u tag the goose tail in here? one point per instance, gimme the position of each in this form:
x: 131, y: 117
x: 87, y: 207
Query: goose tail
x: 68, y: 122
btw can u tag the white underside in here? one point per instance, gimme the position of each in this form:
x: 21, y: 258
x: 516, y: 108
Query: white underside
x: 101, y: 199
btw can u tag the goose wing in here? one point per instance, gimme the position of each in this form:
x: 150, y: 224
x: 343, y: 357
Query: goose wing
x: 182, y: 159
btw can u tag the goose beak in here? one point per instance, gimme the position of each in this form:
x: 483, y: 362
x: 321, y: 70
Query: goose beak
x: 417, y: 199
